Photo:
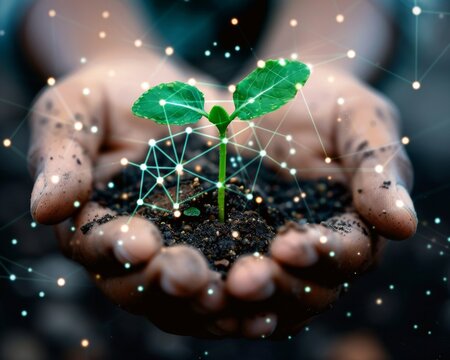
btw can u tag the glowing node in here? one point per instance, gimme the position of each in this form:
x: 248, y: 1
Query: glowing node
x: 261, y: 64
x: 61, y: 282
x: 332, y: 253
x: 351, y: 54
x: 237, y: 48
x: 188, y: 130
x: 298, y: 86
x: 143, y: 167
x: 162, y: 102
x: 176, y: 206
x: 251, y: 100
x: 323, y: 239
x: 251, y: 124
x: 140, y: 288
x: 288, y: 137
x: 327, y: 160
x: 12, y: 277
x: 416, y: 10
x: 207, y: 52
x: 169, y: 51
x: 405, y: 140
x: 76, y: 204
x: 52, y: 13
x: 51, y: 81
x: 78, y: 125
x: 54, y: 179
x: 152, y: 142
x: 210, y: 291
x: 105, y: 14
x: 94, y: 129
x: 219, y: 184
x: 234, y: 21
x: 177, y: 213
x: 159, y: 180
x: 263, y: 153
x: 259, y: 200
x: 145, y: 85
x: 249, y: 196
x: 179, y: 168
x: 138, y: 43
x: 293, y: 22
x: 192, y: 81
x: 340, y: 18
x: 140, y: 202
x: 294, y: 56
x: 85, y: 343
x: 416, y: 85
x: 7, y: 143
x: 227, y: 54
x: 124, y: 161
x: 102, y: 34
x: 24, y: 313
x: 231, y: 88
x: 293, y: 171
x: 399, y: 203
x: 307, y: 289
x: 292, y: 151
x: 282, y: 62
x: 379, y: 168
x: 379, y: 301
x: 235, y: 234
x: 124, y: 228
x: 283, y: 165
x: 86, y: 91
x: 340, y: 101
x: 268, y: 320
x: 224, y: 141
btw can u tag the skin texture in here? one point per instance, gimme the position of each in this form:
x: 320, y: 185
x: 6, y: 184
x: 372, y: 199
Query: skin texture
x: 263, y: 296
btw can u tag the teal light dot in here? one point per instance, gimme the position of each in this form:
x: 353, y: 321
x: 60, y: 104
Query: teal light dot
x: 437, y: 220
x: 12, y: 277
x: 140, y: 288
x: 14, y: 241
x: 41, y: 294
x: 24, y: 313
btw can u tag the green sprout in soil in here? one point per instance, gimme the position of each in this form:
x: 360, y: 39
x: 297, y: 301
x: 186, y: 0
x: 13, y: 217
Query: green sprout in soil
x: 264, y: 90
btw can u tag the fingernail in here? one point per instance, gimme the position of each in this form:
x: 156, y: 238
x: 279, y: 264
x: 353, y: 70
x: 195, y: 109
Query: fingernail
x: 121, y: 253
x: 38, y: 190
x: 405, y: 201
x: 167, y: 285
x: 260, y: 326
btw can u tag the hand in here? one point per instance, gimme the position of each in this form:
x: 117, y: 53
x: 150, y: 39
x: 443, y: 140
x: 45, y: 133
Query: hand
x: 359, y: 134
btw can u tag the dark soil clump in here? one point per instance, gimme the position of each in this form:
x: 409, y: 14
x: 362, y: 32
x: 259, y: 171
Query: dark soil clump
x: 255, y: 210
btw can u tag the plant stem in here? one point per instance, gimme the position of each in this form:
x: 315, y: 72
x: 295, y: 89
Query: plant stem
x: 222, y: 175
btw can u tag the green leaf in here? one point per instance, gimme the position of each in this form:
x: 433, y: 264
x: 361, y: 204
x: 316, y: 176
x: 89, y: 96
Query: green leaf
x: 267, y: 89
x: 219, y: 117
x: 192, y: 211
x: 173, y: 103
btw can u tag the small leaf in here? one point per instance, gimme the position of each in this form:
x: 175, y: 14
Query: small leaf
x: 219, y: 117
x: 192, y: 211
x: 267, y: 89
x: 173, y: 103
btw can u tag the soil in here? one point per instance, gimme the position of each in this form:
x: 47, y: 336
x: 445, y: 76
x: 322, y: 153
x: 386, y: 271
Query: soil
x: 253, y: 217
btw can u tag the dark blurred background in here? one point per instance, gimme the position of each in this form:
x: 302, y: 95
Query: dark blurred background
x: 399, y: 311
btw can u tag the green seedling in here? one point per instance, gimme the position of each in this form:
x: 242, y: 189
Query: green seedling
x: 264, y: 90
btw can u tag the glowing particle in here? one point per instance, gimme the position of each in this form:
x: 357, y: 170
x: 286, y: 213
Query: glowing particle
x: 261, y: 64
x: 327, y: 160
x: 303, y: 195
x: 140, y: 288
x: 102, y: 34
x: 61, y: 282
x: 145, y: 85
x: 124, y: 228
x: 428, y: 292
x: 224, y: 141
x: 33, y: 224
x: 234, y: 21
x: 84, y: 343
x: 379, y: 168
x: 7, y: 143
x: 169, y: 51
x: 210, y: 291
x: 12, y: 277
x: 332, y: 254
x: 294, y: 56
x: 41, y: 294
x: 348, y: 314
x: 237, y: 48
x: 159, y: 180
x: 249, y: 196
x: 293, y: 171
x: 251, y: 100
x: 379, y: 301
x: 259, y: 200
x: 140, y: 202
x: 54, y: 179
x: 251, y: 124
x: 162, y: 102
x: 192, y: 81
x: 282, y: 62
x: 298, y: 86
x: 124, y: 161
x: 152, y: 142
x: 105, y: 14
x: 416, y: 85
x: 14, y: 241
x: 76, y: 204
x: 94, y: 129
x: 176, y: 206
x: 52, y: 13
x: 405, y: 140
x: 207, y: 52
x: 263, y: 153
x: 143, y: 167
x: 227, y: 55
x: 288, y: 137
x: 292, y: 151
x: 86, y: 91
x: 416, y: 10
x: 323, y: 239
x: 293, y: 22
x: 283, y: 164
x: 219, y: 185
x: 179, y: 168
x: 235, y: 234
x: 231, y: 88
x: 340, y: 101
x: 51, y: 81
x: 351, y: 54
x: 437, y: 220
x: 399, y: 203
x: 24, y: 313
x: 78, y: 125
x: 138, y: 43
x: 340, y: 18
x: 127, y: 265
x: 307, y: 289
x: 177, y: 213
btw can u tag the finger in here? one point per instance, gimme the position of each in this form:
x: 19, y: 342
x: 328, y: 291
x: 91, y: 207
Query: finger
x: 110, y: 245
x: 343, y: 247
x: 367, y: 141
x: 63, y: 146
x: 259, y: 325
